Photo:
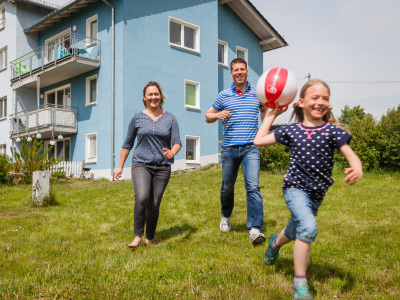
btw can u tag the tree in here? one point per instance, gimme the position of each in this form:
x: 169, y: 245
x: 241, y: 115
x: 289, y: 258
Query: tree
x: 349, y: 114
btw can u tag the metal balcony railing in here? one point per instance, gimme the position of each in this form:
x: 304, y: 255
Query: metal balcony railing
x: 59, y: 49
x: 44, y: 118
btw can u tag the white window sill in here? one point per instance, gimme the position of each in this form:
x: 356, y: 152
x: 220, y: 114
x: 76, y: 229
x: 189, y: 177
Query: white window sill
x: 184, y: 48
x: 192, y: 162
x: 91, y: 161
x: 223, y: 65
x: 91, y: 104
x: 192, y: 107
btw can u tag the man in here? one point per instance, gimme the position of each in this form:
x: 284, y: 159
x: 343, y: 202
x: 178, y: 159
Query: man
x: 238, y: 108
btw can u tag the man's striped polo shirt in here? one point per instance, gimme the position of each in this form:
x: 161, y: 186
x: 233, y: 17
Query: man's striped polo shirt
x: 242, y: 127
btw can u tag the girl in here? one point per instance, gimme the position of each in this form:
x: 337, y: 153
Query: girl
x: 311, y: 142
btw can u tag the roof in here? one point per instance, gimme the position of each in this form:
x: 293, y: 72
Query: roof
x: 37, y: 3
x: 58, y: 15
x: 269, y: 38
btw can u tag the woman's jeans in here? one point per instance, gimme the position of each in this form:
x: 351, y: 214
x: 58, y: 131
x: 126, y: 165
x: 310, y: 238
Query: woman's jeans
x: 249, y: 157
x: 149, y: 183
x: 302, y: 224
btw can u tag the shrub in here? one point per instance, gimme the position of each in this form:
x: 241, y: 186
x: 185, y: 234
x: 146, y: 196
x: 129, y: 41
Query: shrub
x: 59, y: 174
x: 5, y: 167
x: 274, y: 158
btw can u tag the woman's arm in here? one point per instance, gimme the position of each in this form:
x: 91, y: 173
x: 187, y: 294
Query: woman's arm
x: 355, y: 172
x: 171, y: 153
x: 122, y: 158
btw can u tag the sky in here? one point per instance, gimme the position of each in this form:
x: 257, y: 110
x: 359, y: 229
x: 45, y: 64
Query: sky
x: 343, y: 42
x: 354, y: 45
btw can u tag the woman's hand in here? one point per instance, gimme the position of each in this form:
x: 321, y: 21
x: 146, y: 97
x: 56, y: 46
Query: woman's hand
x: 117, y: 173
x: 168, y: 153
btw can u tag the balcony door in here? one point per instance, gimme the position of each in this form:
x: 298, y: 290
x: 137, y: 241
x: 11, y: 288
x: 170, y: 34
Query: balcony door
x: 57, y: 46
x: 59, y: 98
x: 62, y: 149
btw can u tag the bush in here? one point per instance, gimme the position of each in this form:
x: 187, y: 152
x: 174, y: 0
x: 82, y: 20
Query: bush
x: 274, y: 158
x: 59, y: 174
x: 32, y: 158
x: 5, y: 167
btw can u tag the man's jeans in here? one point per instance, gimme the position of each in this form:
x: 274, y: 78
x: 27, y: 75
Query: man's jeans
x: 249, y: 157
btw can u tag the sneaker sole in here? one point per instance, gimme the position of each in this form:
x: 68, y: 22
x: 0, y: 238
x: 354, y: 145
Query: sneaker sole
x: 259, y: 240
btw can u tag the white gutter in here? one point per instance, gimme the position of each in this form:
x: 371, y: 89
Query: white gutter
x: 112, y: 86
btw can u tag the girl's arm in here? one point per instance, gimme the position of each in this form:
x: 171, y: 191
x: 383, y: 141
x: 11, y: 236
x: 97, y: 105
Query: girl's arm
x: 354, y: 173
x: 263, y: 137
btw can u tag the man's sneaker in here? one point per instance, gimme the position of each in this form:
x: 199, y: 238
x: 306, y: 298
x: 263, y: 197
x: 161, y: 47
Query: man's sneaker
x: 255, y: 236
x: 301, y: 292
x: 225, y: 224
x: 270, y: 255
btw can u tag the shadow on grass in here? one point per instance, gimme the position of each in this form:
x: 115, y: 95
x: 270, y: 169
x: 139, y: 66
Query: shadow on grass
x: 243, y: 227
x: 317, y: 272
x: 185, y: 230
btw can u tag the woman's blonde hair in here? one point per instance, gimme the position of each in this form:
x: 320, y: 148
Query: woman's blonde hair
x: 154, y: 83
x: 298, y: 113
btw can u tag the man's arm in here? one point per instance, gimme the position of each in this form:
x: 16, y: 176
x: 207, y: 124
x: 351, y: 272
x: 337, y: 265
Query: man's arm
x: 263, y: 110
x: 213, y: 115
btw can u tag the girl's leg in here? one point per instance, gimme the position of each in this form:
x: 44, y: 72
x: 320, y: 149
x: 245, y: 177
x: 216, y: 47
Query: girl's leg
x: 301, y: 257
x: 281, y: 239
x: 159, y: 180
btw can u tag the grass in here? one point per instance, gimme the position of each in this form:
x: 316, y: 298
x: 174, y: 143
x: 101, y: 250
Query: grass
x: 76, y: 249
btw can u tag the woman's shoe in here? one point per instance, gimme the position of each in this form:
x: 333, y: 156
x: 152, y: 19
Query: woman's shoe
x: 136, y: 242
x: 148, y: 242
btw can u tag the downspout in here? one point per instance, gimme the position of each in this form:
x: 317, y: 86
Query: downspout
x: 112, y: 86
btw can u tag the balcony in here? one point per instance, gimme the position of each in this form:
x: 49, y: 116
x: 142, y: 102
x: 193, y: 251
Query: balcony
x: 46, y: 119
x: 60, y: 59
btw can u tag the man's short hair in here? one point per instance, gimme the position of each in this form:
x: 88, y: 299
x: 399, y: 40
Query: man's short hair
x: 238, y: 60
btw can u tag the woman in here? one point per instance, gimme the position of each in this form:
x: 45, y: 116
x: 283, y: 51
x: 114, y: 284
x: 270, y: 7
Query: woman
x: 155, y: 131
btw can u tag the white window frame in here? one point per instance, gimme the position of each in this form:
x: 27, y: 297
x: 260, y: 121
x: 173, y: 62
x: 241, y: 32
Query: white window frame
x: 183, y: 24
x: 246, y: 53
x: 197, y: 95
x: 3, y: 103
x: 225, y: 62
x: 3, y: 148
x: 47, y: 146
x: 46, y: 42
x: 89, y: 21
x: 3, y: 53
x: 88, y: 158
x: 65, y: 105
x: 196, y: 160
x: 2, y: 17
x: 88, y: 80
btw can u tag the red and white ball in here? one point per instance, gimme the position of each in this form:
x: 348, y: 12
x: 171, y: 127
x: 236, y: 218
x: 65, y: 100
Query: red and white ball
x: 277, y: 86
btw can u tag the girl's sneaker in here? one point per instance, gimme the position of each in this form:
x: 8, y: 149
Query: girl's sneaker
x: 270, y: 255
x: 301, y: 292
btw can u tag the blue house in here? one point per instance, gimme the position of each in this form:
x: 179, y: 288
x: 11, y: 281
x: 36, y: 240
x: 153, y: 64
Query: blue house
x: 86, y: 78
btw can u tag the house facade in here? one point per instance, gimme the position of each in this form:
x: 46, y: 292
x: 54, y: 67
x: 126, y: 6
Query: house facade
x: 84, y: 81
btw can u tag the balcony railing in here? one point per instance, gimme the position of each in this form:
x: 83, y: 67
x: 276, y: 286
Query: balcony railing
x: 46, y: 119
x: 70, y: 46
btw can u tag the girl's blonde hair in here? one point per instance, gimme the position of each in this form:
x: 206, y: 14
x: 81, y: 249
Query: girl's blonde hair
x: 154, y: 83
x: 298, y: 113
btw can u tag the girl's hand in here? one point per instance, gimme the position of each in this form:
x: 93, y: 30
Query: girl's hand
x: 353, y: 175
x: 274, y: 112
x: 168, y: 153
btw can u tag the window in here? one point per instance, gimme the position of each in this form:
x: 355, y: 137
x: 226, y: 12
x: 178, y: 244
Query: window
x: 57, y: 46
x: 223, y: 53
x: 91, y: 30
x: 242, y: 53
x: 192, y: 150
x: 61, y: 149
x: 3, y: 58
x: 2, y: 16
x: 3, y: 108
x: 91, y: 90
x: 3, y: 149
x: 60, y: 97
x: 184, y: 35
x: 91, y: 148
x: 192, y: 94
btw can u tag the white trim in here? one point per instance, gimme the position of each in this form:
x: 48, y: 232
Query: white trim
x: 3, y: 51
x: 225, y: 62
x: 87, y: 148
x: 196, y: 159
x: 246, y: 53
x: 55, y: 91
x: 196, y: 28
x: 197, y: 95
x: 2, y: 22
x: 5, y: 110
x: 88, y: 23
x: 88, y: 80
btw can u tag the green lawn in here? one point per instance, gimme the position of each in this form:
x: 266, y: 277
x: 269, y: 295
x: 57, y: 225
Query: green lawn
x: 77, y: 249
